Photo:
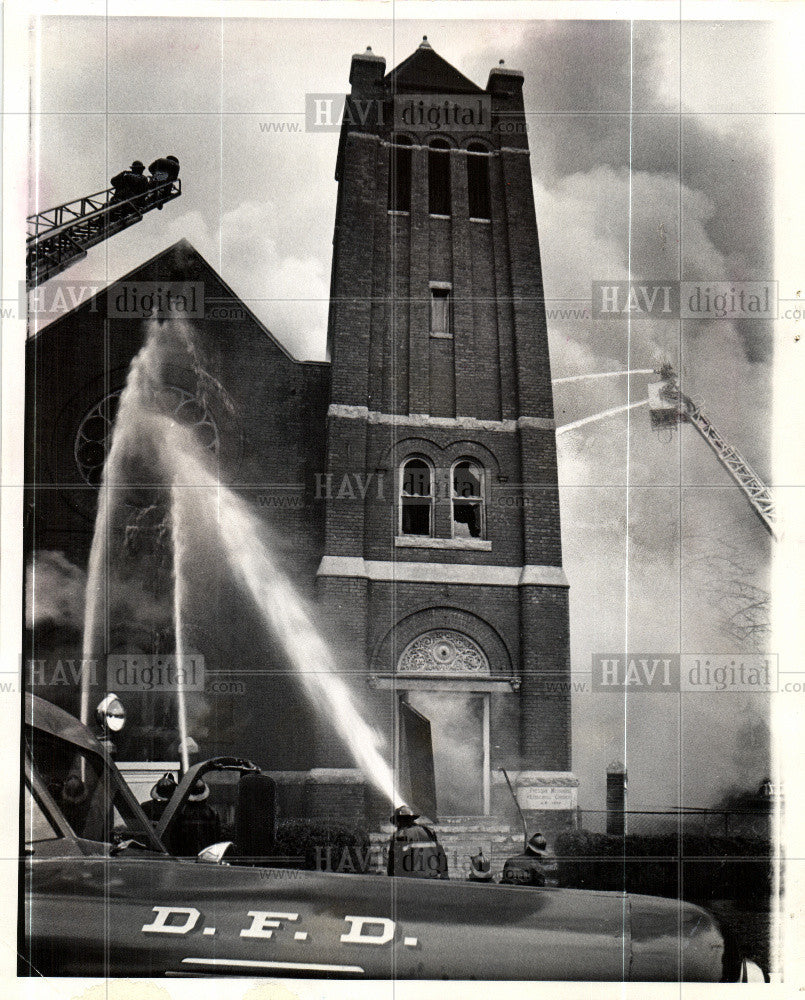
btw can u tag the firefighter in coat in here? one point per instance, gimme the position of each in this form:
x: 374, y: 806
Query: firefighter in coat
x: 414, y: 850
x: 532, y: 867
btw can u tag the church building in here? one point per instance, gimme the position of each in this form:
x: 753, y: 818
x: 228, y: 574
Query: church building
x: 412, y: 476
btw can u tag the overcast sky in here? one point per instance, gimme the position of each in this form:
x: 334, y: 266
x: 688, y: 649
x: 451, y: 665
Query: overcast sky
x: 658, y: 193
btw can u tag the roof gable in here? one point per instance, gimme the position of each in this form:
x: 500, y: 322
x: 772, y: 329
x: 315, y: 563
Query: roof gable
x: 180, y: 262
x: 425, y: 71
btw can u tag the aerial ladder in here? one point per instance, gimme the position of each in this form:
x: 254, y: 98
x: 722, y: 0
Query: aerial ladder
x: 61, y: 236
x: 669, y: 406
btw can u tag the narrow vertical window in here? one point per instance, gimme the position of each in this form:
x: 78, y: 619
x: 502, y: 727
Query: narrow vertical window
x: 440, y: 312
x: 416, y: 498
x: 468, y: 500
x: 439, y: 177
x: 478, y: 181
x: 399, y: 199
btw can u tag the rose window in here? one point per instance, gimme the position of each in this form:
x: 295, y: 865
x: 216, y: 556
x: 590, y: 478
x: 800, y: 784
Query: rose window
x: 94, y: 435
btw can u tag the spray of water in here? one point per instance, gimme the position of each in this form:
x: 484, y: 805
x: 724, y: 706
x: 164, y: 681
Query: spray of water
x: 140, y: 384
x: 599, y: 416
x: 582, y: 378
x: 93, y: 606
x: 285, y: 613
x: 195, y: 492
x: 178, y: 623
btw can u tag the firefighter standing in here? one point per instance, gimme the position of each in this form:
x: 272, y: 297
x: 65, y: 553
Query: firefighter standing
x: 197, y: 825
x: 414, y: 850
x: 160, y: 797
x: 163, y: 169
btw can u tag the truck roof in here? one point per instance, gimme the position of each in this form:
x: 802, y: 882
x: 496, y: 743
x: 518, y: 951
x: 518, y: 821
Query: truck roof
x: 51, y: 719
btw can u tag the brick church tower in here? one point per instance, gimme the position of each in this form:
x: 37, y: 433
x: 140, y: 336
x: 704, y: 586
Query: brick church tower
x: 442, y: 558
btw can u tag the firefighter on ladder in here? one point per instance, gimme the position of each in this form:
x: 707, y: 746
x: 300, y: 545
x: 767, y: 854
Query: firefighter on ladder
x: 129, y: 184
x: 163, y: 170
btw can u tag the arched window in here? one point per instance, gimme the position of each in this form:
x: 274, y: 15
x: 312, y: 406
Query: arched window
x: 416, y: 498
x: 467, y: 500
x: 478, y: 180
x: 439, y: 177
x: 400, y: 174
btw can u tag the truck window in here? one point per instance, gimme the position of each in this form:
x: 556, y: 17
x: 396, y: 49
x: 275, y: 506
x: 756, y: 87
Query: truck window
x: 85, y: 790
x: 37, y: 823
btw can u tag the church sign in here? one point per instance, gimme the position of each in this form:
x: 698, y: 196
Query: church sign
x: 547, y: 797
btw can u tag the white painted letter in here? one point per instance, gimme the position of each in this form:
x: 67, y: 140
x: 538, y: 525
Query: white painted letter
x: 164, y: 913
x: 262, y: 920
x: 355, y: 934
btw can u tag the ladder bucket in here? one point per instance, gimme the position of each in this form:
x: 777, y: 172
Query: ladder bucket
x: 664, y: 410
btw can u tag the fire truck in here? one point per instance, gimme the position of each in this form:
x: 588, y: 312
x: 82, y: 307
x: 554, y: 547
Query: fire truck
x: 102, y: 896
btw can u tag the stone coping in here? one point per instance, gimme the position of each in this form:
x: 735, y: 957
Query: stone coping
x: 451, y: 827
x: 148, y: 766
x: 320, y: 776
x: 354, y: 776
x: 536, y: 779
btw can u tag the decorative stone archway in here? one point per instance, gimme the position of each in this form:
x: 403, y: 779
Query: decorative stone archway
x: 443, y: 661
x: 443, y: 651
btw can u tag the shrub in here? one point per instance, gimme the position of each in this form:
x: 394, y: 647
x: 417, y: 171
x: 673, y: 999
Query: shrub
x: 690, y: 866
x: 331, y: 845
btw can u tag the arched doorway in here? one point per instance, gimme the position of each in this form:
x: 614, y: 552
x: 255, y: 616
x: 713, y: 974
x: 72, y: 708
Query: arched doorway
x: 445, y: 676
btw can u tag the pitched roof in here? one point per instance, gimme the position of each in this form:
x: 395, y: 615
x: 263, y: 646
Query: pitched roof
x: 178, y: 262
x: 425, y: 71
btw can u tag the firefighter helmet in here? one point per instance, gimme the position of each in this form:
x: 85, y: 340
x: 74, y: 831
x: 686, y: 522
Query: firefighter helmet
x: 164, y: 788
x: 73, y: 790
x: 480, y: 867
x: 536, y: 844
x: 404, y: 814
x: 199, y: 791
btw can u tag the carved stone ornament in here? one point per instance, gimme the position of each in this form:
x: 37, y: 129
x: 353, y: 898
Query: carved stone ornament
x: 442, y: 651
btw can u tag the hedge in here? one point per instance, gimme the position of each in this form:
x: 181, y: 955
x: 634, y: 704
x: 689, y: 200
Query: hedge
x: 689, y: 866
x: 329, y: 845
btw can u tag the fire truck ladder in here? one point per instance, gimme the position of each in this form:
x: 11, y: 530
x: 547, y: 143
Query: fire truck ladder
x: 756, y: 492
x: 60, y: 236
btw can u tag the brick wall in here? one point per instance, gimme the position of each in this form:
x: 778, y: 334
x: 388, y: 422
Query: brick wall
x: 495, y: 368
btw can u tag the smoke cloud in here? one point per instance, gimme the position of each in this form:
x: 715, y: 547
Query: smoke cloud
x: 54, y: 591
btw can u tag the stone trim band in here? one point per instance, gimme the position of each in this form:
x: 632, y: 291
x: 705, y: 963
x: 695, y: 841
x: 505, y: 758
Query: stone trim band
x: 425, y: 420
x: 355, y: 567
x: 453, y: 149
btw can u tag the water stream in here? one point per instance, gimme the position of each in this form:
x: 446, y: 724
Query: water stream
x: 197, y: 496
